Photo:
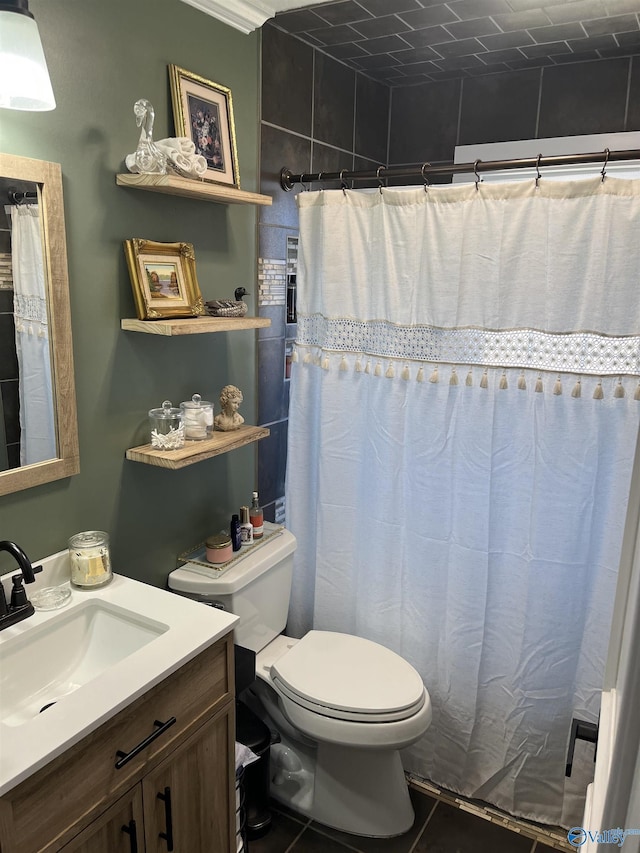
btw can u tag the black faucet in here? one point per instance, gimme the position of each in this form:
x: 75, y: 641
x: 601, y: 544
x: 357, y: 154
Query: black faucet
x: 19, y: 607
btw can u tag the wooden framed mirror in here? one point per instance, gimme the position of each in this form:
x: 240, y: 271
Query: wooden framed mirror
x: 39, y: 402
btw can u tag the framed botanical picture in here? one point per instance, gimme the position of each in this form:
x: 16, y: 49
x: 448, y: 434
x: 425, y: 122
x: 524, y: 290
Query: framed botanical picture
x: 203, y: 112
x: 163, y: 278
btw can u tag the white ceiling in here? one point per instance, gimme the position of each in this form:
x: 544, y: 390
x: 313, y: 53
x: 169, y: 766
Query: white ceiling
x: 247, y: 15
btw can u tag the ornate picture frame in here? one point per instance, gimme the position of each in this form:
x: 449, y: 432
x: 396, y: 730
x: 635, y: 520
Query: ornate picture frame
x: 163, y: 279
x: 203, y: 112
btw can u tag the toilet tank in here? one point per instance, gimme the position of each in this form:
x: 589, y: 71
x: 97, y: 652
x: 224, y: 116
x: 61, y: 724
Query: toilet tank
x: 257, y: 589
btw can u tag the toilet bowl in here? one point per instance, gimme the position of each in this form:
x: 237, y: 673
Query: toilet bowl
x: 350, y: 705
x: 343, y: 706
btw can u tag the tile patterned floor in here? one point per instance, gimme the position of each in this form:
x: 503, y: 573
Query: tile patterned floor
x: 444, y: 824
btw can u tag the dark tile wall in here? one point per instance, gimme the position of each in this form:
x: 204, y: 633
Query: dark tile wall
x: 372, y: 125
x: 9, y: 408
x: 500, y: 106
x: 287, y: 81
x: 424, y: 122
x: 429, y: 120
x: 280, y: 148
x: 319, y: 115
x: 333, y: 102
x: 633, y: 114
x: 587, y: 98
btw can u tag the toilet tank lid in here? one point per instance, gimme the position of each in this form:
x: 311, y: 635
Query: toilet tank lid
x: 199, y: 581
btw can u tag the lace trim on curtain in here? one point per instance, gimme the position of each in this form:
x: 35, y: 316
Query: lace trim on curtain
x: 574, y: 352
x: 29, y: 310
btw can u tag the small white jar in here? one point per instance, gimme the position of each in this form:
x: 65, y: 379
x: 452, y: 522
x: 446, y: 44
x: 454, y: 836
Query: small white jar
x: 197, y: 417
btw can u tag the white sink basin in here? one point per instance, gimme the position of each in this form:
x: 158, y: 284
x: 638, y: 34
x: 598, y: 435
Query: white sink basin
x: 70, y: 650
x: 103, y: 650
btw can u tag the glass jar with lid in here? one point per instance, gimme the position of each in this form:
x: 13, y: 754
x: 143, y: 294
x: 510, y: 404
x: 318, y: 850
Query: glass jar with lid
x: 218, y: 548
x: 90, y: 559
x: 166, y: 427
x: 197, y: 416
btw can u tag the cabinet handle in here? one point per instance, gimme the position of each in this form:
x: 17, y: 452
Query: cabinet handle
x: 168, y: 835
x: 132, y: 832
x: 124, y: 757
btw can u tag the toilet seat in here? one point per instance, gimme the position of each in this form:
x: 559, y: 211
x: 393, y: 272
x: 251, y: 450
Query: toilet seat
x: 348, y: 678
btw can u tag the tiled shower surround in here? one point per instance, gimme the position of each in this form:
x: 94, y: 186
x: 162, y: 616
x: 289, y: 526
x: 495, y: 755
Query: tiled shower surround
x: 272, y: 281
x: 9, y: 405
x: 321, y: 115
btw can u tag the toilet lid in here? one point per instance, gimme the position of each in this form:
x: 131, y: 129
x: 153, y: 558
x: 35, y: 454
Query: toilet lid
x: 348, y: 677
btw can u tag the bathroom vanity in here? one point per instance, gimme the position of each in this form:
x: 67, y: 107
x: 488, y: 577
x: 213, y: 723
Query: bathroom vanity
x: 141, y: 756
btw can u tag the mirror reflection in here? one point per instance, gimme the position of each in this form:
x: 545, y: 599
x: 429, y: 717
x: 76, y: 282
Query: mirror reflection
x: 38, y: 425
x: 27, y: 434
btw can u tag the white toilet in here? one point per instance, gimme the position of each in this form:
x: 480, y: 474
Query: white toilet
x: 342, y: 705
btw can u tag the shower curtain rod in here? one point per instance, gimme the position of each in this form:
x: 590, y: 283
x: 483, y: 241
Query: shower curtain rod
x: 17, y: 197
x: 381, y: 173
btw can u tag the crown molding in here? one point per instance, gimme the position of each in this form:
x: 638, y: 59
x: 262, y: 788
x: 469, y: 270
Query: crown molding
x: 246, y: 15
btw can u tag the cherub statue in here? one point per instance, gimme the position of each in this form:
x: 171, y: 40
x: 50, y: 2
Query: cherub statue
x: 148, y: 158
x: 229, y: 419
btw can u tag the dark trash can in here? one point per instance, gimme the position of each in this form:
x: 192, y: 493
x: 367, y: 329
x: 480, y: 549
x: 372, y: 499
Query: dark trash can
x: 252, y: 732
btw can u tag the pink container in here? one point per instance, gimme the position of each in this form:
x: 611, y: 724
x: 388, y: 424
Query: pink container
x: 219, y: 548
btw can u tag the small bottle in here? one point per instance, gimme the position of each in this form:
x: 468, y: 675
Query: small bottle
x: 246, y: 528
x: 234, y: 530
x: 256, y: 517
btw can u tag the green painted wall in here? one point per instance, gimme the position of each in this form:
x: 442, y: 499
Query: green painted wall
x: 102, y: 57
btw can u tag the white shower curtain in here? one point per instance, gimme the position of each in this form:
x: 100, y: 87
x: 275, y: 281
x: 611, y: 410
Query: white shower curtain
x: 464, y: 408
x: 37, y: 424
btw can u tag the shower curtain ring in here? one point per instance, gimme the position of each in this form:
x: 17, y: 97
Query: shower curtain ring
x: 343, y: 185
x: 424, y: 177
x: 606, y: 160
x: 538, y: 171
x: 319, y: 178
x: 475, y: 172
x: 379, y: 178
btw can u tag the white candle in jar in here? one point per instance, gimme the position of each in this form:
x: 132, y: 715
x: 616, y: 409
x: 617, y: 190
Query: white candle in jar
x: 90, y: 559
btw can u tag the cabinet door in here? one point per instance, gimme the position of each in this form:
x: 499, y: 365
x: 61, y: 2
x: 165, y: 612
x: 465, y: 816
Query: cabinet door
x: 119, y: 830
x: 189, y: 799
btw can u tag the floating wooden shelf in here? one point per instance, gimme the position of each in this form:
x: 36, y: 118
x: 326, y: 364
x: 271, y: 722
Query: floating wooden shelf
x: 194, y: 325
x: 192, y: 188
x: 197, y: 451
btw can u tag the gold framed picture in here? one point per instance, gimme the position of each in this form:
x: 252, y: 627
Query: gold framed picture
x: 203, y: 112
x: 163, y: 278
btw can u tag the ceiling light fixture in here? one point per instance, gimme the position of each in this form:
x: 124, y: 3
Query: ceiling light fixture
x: 24, y: 78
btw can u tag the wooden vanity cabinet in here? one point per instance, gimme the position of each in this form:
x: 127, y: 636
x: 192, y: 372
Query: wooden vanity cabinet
x: 119, y: 830
x: 182, y: 795
x: 176, y: 793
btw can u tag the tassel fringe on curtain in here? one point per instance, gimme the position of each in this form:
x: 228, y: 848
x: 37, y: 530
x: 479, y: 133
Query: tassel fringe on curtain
x: 537, y: 381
